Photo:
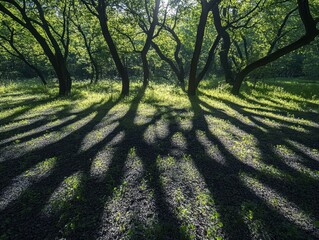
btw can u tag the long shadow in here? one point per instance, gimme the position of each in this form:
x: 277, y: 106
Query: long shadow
x: 311, y: 138
x: 16, y: 104
x: 283, y: 110
x: 282, y: 113
x: 28, y: 106
x: 301, y: 190
x: 14, y: 166
x: 227, y: 189
x: 83, y: 215
x: 222, y: 182
x: 42, y: 127
x: 134, y: 138
x: 38, y: 122
x: 92, y: 210
x: 11, y: 95
x: 168, y: 222
x: 287, y: 98
x: 265, y: 145
x: 68, y: 163
x: 88, y: 210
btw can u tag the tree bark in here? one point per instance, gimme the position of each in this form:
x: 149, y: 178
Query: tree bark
x: 224, y: 61
x: 192, y: 83
x: 109, y: 40
x: 209, y: 61
x: 148, y: 42
x: 177, y: 66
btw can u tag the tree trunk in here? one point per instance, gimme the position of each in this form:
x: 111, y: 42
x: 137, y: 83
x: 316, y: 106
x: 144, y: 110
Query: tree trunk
x: 311, y: 33
x: 146, y: 70
x: 192, y: 83
x: 270, y: 58
x: 64, y: 77
x: 224, y: 61
x: 148, y: 42
x: 39, y: 73
x: 116, y: 58
x: 56, y: 59
x: 209, y: 61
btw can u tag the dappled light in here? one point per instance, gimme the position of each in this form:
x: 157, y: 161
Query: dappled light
x: 63, y: 195
x: 23, y: 181
x: 214, y: 167
x: 159, y: 119
x: 289, y: 210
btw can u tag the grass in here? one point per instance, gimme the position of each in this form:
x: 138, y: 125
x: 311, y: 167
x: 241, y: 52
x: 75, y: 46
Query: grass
x: 158, y: 164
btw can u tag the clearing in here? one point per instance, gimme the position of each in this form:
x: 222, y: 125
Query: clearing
x: 159, y: 165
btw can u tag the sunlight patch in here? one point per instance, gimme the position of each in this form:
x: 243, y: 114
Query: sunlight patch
x: 64, y: 194
x: 100, y: 165
x: 178, y: 140
x: 162, y: 129
x: 311, y: 152
x: 287, y: 209
x: 211, y: 149
x: 117, y: 140
x: 131, y: 210
x: 294, y: 161
x: 149, y: 135
x: 96, y: 136
x: 156, y: 132
x: 269, y: 123
x: 144, y: 115
x: 189, y: 198
x: 25, y: 180
x: 185, y: 124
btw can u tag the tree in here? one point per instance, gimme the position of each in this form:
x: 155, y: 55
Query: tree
x: 99, y: 9
x: 177, y: 66
x: 86, y: 28
x: 53, y: 35
x: 149, y: 31
x: 10, y: 45
x: 146, y: 16
x: 230, y: 16
x: 174, y: 15
x: 311, y: 32
x: 206, y: 7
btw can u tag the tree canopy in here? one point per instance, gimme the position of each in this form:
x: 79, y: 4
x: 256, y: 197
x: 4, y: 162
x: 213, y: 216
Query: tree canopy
x: 151, y: 39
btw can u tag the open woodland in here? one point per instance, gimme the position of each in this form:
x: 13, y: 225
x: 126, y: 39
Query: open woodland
x: 159, y: 119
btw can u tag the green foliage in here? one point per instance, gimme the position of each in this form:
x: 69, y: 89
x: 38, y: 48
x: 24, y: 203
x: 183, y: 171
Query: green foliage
x: 255, y: 25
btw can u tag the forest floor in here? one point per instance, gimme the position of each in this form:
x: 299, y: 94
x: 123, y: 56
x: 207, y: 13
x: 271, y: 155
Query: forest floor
x: 159, y: 165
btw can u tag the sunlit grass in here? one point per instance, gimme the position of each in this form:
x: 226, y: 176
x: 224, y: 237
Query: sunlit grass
x: 25, y: 180
x: 281, y: 204
x: 160, y: 151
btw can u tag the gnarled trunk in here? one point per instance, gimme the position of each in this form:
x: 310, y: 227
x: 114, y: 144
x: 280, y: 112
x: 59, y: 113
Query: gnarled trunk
x: 310, y: 25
